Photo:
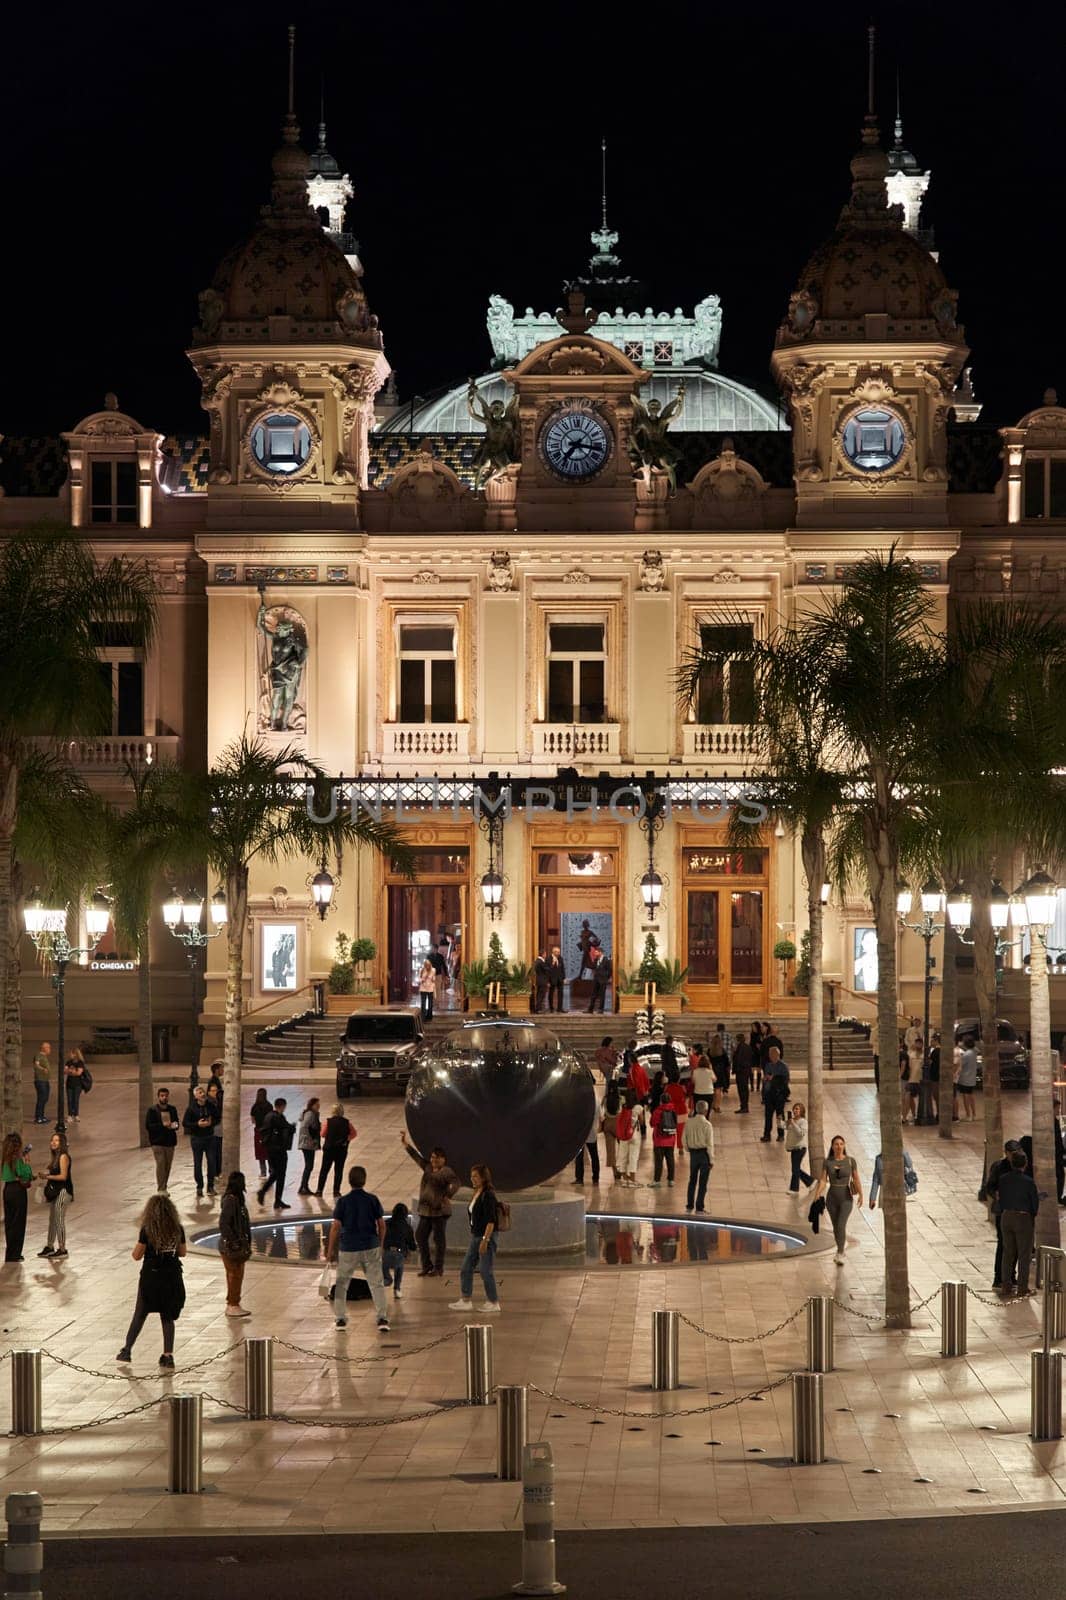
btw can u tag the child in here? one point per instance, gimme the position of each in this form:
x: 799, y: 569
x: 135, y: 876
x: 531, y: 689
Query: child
x: 399, y: 1241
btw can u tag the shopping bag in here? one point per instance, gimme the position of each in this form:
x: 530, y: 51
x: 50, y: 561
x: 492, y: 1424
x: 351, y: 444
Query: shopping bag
x: 325, y: 1282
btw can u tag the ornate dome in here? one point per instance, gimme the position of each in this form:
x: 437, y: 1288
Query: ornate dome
x: 289, y: 267
x: 870, y: 267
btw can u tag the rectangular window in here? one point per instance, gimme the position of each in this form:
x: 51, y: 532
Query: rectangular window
x: 1057, y: 490
x: 726, y: 690
x: 427, y: 673
x: 746, y: 936
x: 113, y: 491
x: 1034, y: 489
x: 1044, y: 487
x: 124, y: 679
x: 703, y: 936
x: 577, y: 672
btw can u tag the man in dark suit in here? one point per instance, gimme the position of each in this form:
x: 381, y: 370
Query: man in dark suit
x: 601, y: 978
x: 556, y: 979
x: 540, y: 981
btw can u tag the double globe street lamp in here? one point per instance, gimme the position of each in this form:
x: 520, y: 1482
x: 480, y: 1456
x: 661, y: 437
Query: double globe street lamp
x: 47, y: 927
x: 183, y: 919
x: 933, y: 902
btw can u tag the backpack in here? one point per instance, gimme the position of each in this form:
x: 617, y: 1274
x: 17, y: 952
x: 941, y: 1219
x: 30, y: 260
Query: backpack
x: 286, y: 1134
x: 668, y: 1120
x: 503, y: 1216
x: 86, y: 1080
x: 624, y: 1126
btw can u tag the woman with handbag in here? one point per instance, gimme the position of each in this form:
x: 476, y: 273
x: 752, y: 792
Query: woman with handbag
x: 840, y: 1176
x: 307, y: 1141
x: 17, y: 1177
x: 74, y: 1073
x: 484, y: 1211
x: 161, y: 1288
x: 59, y: 1192
x: 261, y: 1109
x: 338, y: 1135
x: 234, y: 1241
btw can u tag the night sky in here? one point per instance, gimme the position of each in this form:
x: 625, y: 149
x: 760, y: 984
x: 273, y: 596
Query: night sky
x: 140, y: 138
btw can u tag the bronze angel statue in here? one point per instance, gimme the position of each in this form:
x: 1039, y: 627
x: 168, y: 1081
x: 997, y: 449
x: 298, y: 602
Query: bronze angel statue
x: 649, y: 447
x: 499, y: 447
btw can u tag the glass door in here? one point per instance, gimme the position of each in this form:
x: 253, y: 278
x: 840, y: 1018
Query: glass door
x: 726, y: 927
x: 428, y: 918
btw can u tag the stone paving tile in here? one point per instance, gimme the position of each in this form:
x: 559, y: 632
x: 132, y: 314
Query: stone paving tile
x: 585, y: 1333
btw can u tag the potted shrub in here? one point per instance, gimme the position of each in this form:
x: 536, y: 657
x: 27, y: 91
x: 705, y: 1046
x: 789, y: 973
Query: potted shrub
x: 347, y: 990
x: 784, y: 951
x: 667, y: 976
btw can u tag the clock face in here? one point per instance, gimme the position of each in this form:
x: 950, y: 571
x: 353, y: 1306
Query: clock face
x: 575, y: 443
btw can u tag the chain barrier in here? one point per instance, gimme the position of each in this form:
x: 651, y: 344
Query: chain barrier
x: 661, y: 1416
x: 998, y: 1303
x: 135, y: 1377
x: 98, y: 1422
x: 752, y: 1338
x: 352, y: 1361
x: 342, y: 1422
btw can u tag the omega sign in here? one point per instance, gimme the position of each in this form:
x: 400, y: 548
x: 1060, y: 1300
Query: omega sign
x: 112, y: 966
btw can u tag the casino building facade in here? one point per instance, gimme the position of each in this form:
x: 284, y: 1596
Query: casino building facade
x: 442, y: 627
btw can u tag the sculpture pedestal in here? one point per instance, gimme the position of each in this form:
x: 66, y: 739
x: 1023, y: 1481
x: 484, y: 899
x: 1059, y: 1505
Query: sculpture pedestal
x: 544, y: 1221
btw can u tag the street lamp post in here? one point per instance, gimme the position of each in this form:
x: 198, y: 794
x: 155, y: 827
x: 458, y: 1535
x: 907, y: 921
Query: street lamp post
x: 182, y: 918
x: 932, y: 901
x: 1039, y: 896
x: 48, y: 930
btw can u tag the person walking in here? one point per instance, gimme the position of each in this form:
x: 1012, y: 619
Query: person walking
x: 74, y: 1076
x: 17, y: 1175
x: 702, y: 1087
x: 699, y: 1142
x: 627, y: 1140
x: 1018, y: 1201
x: 556, y: 979
x: 839, y: 1182
x: 427, y: 988
x: 720, y: 1067
x: 608, y: 1127
x: 337, y: 1136
x: 775, y: 1092
x: 990, y: 1192
x: 261, y: 1109
x: 439, y: 1184
x: 484, y: 1211
x: 591, y: 1146
x: 678, y: 1099
x: 755, y: 1040
x: 161, y: 1124
x: 214, y: 1100
x: 42, y: 1080
x: 398, y: 1244
x: 356, y: 1236
x: 606, y: 1058
x: 796, y: 1145
x: 308, y: 1140
x: 234, y: 1241
x: 966, y: 1082
x: 58, y: 1192
x: 743, y: 1066
x: 199, y: 1125
x: 663, y: 1140
x: 639, y: 1081
x: 278, y: 1133
x: 161, y: 1286
x: 910, y: 1178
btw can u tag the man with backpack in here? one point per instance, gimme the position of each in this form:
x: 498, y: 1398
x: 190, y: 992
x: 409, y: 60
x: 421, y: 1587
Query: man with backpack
x: 775, y: 1094
x: 663, y: 1140
x: 276, y: 1134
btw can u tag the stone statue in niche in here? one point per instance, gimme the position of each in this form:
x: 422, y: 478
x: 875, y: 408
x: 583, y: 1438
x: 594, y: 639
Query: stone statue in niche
x: 650, y: 450
x: 282, y: 654
x: 499, y: 448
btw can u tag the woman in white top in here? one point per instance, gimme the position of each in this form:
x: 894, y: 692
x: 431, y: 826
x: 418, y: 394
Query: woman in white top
x: 427, y: 986
x: 796, y: 1145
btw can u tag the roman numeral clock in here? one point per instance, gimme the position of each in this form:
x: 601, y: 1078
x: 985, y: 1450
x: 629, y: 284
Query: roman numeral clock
x: 575, y: 416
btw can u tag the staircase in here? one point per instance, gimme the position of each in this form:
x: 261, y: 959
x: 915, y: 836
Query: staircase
x: 314, y: 1044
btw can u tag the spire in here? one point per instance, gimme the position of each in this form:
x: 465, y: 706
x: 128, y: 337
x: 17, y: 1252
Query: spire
x: 292, y: 131
x: 288, y: 195
x: 603, y: 238
x: 870, y: 166
x: 322, y: 162
x: 898, y: 137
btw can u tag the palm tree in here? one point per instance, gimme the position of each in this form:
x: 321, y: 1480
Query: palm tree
x: 56, y: 603
x: 799, y: 781
x: 254, y: 804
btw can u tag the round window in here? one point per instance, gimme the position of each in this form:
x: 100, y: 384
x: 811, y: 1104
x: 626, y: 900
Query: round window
x: 281, y: 442
x: 873, y: 439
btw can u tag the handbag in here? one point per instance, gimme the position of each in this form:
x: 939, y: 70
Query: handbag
x: 53, y: 1189
x: 38, y: 1194
x: 86, y: 1080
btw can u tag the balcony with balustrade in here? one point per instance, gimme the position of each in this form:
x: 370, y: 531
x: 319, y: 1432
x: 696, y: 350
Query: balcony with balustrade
x: 711, y: 743
x: 566, y: 742
x: 415, y: 744
x: 110, y: 755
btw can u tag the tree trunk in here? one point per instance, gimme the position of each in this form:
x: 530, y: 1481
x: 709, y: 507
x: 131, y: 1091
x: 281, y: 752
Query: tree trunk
x: 881, y: 869
x: 237, y: 917
x: 1047, y: 1219
x: 10, y: 987
x: 949, y: 1004
x: 813, y: 848
x: 145, y: 1095
x: 984, y: 971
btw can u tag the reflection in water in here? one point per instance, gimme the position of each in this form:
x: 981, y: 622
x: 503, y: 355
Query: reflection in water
x: 609, y: 1241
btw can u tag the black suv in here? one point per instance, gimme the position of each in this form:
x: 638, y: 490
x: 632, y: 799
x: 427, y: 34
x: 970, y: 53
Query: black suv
x: 1013, y: 1056
x: 378, y: 1048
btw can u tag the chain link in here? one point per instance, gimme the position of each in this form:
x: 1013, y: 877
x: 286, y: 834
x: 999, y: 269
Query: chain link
x: 861, y: 1316
x: 661, y: 1416
x: 351, y: 1361
x: 133, y: 1377
x: 998, y: 1304
x: 99, y: 1422
x: 343, y: 1422
x: 752, y: 1338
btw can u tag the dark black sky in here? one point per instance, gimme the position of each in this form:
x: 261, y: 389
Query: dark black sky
x: 139, y: 144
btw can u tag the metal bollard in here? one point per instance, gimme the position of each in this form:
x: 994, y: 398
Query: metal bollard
x: 480, y: 1381
x: 512, y: 1403
x: 258, y: 1378
x: 808, y: 1419
x: 23, y: 1552
x: 1051, y: 1276
x: 953, y: 1298
x: 538, y: 1522
x: 1045, y: 1378
x: 26, y: 1391
x: 820, y: 1331
x: 186, y: 1444
x: 665, y: 1366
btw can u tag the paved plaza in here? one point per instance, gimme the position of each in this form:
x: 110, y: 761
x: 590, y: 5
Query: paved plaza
x: 907, y: 1433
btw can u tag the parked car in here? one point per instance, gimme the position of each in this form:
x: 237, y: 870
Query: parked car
x: 1013, y: 1056
x: 378, y: 1048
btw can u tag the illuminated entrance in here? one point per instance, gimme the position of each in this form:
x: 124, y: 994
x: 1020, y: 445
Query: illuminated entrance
x: 726, y: 927
x: 428, y: 917
x: 575, y: 903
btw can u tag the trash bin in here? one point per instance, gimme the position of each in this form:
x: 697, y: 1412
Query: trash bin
x: 161, y: 1041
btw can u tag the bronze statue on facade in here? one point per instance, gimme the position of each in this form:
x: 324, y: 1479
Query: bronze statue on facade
x: 499, y: 448
x: 649, y: 448
x: 286, y: 654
